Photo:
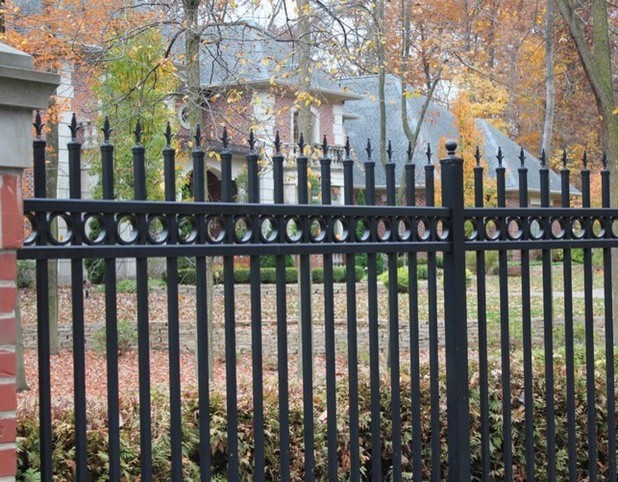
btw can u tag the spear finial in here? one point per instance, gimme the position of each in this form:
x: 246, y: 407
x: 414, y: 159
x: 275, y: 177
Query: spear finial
x: 348, y: 148
x: 107, y: 130
x: 225, y: 138
x: 301, y: 144
x: 73, y: 127
x: 138, y: 132
x: 198, y: 136
x: 564, y: 158
x: 251, y: 141
x: 324, y: 146
x: 585, y: 159
x: 522, y: 156
x: 543, y: 158
x: 38, y: 125
x: 389, y: 152
x: 428, y: 153
x: 409, y: 152
x: 277, y: 143
x: 368, y: 149
x: 500, y: 157
x: 477, y: 156
x: 604, y: 160
x: 168, y: 134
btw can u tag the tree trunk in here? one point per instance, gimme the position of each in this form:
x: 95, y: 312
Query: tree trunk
x: 52, y: 193
x: 303, y: 49
x: 550, y: 90
x: 20, y: 375
x: 193, y: 86
x: 598, y: 67
x: 305, y: 127
x: 381, y: 57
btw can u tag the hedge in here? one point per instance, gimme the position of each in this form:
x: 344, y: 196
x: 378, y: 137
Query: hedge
x: 422, y: 272
x: 241, y: 276
x: 97, y: 453
x: 317, y: 275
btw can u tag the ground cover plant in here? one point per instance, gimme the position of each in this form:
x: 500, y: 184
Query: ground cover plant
x: 95, y: 364
x: 97, y: 419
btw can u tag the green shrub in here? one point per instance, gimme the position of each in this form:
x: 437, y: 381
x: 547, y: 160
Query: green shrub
x: 26, y: 273
x: 127, y: 337
x: 339, y: 274
x: 492, y: 264
x: 241, y: 276
x: 422, y: 272
x: 577, y: 255
x: 28, y: 446
x: 270, y: 260
x: 95, y: 270
x: 361, y: 260
x: 269, y: 275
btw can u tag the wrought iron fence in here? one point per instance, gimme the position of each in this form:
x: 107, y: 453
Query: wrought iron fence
x: 380, y: 440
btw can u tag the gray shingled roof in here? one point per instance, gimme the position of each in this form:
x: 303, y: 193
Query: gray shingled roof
x: 493, y: 138
x: 28, y: 6
x: 439, y: 125
x: 239, y: 54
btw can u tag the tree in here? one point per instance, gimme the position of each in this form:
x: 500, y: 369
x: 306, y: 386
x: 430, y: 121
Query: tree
x: 594, y: 51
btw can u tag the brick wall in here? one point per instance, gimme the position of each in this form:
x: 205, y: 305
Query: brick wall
x: 11, y: 235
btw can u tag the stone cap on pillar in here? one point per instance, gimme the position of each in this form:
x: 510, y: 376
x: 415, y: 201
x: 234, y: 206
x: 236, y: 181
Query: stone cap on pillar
x: 22, y: 89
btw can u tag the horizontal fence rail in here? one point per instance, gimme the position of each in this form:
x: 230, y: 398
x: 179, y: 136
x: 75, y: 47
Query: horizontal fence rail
x: 441, y: 372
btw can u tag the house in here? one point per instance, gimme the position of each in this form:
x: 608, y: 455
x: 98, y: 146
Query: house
x: 439, y: 124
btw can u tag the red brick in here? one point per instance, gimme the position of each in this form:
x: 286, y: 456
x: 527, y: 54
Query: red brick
x: 8, y: 430
x: 8, y: 364
x: 8, y: 397
x: 8, y: 266
x: 8, y: 298
x: 8, y: 331
x: 12, y: 211
x: 8, y: 462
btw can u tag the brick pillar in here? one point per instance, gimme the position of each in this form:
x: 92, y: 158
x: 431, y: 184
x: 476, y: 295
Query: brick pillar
x: 11, y: 229
x: 22, y: 89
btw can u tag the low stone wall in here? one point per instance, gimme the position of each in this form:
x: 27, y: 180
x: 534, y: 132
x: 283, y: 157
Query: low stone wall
x: 188, y: 334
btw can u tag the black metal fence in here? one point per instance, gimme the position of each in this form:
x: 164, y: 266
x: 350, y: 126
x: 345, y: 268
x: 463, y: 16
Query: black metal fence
x: 380, y: 441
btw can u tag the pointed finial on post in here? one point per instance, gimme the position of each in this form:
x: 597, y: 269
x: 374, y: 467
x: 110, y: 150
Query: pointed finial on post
x: 500, y: 157
x: 409, y: 152
x: 277, y: 143
x: 389, y: 152
x: 168, y: 134
x: 38, y: 125
x: 477, y: 156
x: 301, y: 144
x: 428, y: 153
x: 251, y: 141
x: 348, y: 148
x: 225, y: 140
x: 543, y: 158
x: 522, y: 156
x: 564, y: 158
x: 585, y: 159
x: 604, y: 160
x: 73, y: 127
x: 107, y: 130
x: 198, y: 137
x: 324, y: 147
x: 138, y: 132
x: 451, y: 147
x: 368, y: 149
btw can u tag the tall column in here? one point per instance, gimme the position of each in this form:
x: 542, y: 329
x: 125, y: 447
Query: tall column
x: 22, y: 89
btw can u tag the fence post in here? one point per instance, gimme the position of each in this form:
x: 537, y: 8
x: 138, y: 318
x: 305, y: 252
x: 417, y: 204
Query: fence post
x: 455, y: 319
x: 21, y: 90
